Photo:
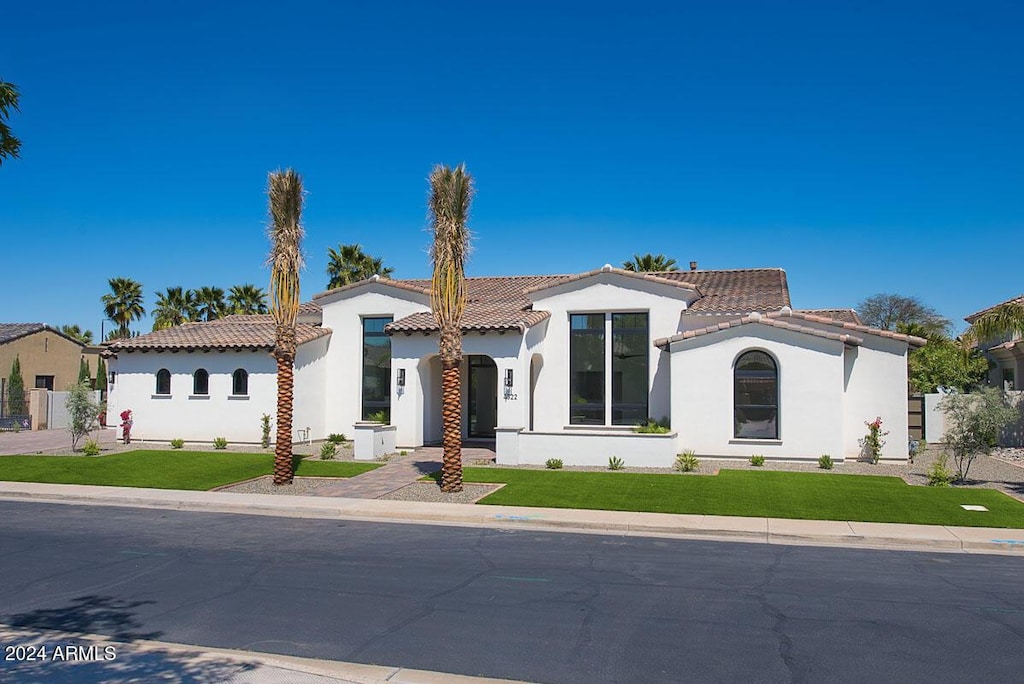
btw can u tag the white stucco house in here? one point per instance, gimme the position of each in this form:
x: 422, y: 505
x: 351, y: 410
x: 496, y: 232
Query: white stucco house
x: 559, y: 366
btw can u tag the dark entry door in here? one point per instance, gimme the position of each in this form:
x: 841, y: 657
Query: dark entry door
x: 483, y: 396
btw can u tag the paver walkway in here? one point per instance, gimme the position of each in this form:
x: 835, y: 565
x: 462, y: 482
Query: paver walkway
x: 47, y: 441
x: 399, y: 472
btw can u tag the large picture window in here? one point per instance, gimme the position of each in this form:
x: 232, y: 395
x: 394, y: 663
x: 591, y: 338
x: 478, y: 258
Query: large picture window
x: 756, y: 397
x: 629, y: 368
x: 611, y: 367
x: 586, y: 369
x: 376, y: 368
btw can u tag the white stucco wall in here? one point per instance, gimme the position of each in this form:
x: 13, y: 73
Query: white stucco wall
x: 309, y: 408
x: 810, y: 393
x: 343, y: 313
x: 181, y: 415
x: 606, y: 293
x: 876, y: 387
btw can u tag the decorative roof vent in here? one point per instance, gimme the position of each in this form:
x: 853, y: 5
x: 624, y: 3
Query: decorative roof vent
x: 606, y: 268
x: 693, y: 265
x: 786, y: 311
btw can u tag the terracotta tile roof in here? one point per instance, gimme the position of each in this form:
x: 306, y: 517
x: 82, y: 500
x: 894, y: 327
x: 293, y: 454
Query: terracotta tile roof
x: 978, y: 314
x: 736, y: 290
x: 845, y: 315
x: 13, y: 331
x: 655, y: 277
x: 411, y: 285
x: 310, y: 307
x: 782, y: 319
x: 477, y: 318
x: 231, y: 332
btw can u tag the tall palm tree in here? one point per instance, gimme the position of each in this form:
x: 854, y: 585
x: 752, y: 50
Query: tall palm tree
x: 210, y: 304
x: 285, y: 260
x: 349, y: 264
x: 174, y: 306
x: 123, y: 305
x: 1005, y: 319
x: 247, y: 299
x: 646, y: 263
x: 9, y: 145
x: 451, y: 192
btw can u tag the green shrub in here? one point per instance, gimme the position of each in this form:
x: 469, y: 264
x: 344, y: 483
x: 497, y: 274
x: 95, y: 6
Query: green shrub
x: 335, y: 438
x: 328, y: 450
x: 220, y: 443
x: 825, y: 462
x: 553, y: 463
x: 653, y: 427
x: 939, y: 473
x: 687, y: 461
x: 973, y: 424
x: 91, y: 448
x: 871, y: 444
x: 757, y: 460
x: 177, y: 443
x: 265, y: 428
x: 378, y: 417
x: 403, y: 452
x: 615, y: 463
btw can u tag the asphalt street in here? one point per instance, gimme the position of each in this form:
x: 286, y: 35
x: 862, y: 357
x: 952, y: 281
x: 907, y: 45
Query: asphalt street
x: 527, y: 605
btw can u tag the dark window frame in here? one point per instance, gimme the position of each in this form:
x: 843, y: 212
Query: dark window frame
x: 240, y: 383
x: 629, y: 413
x: 163, y: 381
x: 371, y: 406
x: 756, y: 395
x: 201, y: 376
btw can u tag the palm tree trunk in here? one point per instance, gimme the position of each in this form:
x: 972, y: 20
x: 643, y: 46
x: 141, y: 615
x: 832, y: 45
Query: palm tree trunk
x: 451, y: 409
x: 284, y: 353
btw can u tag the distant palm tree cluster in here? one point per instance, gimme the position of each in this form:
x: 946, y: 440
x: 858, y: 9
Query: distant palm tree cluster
x: 174, y: 306
x: 650, y: 263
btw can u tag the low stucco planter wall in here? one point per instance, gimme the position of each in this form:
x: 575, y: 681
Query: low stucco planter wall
x: 514, y: 446
x: 373, y: 440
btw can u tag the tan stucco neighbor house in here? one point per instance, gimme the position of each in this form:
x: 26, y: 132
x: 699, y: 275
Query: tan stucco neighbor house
x: 1006, y: 353
x: 49, y: 358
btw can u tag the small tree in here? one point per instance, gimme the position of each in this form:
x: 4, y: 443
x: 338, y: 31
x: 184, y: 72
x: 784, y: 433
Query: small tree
x: 15, y: 390
x: 101, y: 374
x: 973, y: 424
x: 82, y: 411
x: 84, y: 374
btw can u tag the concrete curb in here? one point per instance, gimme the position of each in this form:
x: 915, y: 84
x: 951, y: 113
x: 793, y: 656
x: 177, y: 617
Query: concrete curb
x: 273, y: 667
x: 707, y: 527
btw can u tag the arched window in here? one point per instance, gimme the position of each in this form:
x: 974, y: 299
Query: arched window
x: 163, y: 381
x: 201, y: 382
x: 240, y: 382
x: 756, y: 397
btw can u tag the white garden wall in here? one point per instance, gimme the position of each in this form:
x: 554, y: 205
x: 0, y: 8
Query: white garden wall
x: 586, y: 448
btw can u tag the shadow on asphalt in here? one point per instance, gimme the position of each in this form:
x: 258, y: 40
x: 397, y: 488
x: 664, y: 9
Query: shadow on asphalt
x: 89, y: 615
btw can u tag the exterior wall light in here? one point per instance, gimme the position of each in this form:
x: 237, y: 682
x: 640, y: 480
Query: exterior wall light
x: 401, y: 377
x: 508, y: 377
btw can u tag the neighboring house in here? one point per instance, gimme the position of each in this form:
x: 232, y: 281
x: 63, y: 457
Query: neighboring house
x: 554, y: 366
x: 49, y: 358
x: 1006, y: 353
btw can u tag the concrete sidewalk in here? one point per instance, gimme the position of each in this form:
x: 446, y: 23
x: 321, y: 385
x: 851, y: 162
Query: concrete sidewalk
x: 46, y: 656
x: 708, y: 527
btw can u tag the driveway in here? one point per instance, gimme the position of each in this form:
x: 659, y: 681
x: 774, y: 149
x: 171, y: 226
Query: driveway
x: 46, y: 441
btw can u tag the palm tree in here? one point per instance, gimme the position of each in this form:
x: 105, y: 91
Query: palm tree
x: 285, y: 260
x: 123, y: 305
x: 349, y: 264
x: 210, y: 303
x: 247, y: 299
x: 174, y: 306
x: 647, y: 263
x: 9, y: 145
x: 451, y: 192
x: 83, y: 336
x: 1005, y: 319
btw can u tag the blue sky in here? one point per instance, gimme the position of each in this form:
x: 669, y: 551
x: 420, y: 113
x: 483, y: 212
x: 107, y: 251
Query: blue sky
x: 863, y: 146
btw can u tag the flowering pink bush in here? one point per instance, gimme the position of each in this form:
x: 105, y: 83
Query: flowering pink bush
x: 872, y: 443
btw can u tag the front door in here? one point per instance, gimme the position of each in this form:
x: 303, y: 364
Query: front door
x: 483, y: 396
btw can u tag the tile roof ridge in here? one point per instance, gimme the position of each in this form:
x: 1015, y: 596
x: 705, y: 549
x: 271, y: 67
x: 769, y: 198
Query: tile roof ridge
x: 978, y: 314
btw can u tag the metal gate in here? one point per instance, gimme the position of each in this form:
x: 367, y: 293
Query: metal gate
x: 915, y: 416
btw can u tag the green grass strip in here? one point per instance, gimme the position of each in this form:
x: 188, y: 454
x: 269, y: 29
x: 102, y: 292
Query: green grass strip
x: 759, y: 494
x: 196, y: 470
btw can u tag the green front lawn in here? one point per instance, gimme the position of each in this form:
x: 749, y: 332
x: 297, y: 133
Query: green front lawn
x: 761, y: 494
x: 197, y: 470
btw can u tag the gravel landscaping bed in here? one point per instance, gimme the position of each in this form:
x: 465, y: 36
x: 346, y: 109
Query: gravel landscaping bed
x: 300, y: 486
x: 431, y: 492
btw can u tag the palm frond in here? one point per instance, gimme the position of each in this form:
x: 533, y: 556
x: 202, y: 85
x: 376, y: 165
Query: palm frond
x: 1004, y: 320
x: 451, y: 194
x: 284, y: 189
